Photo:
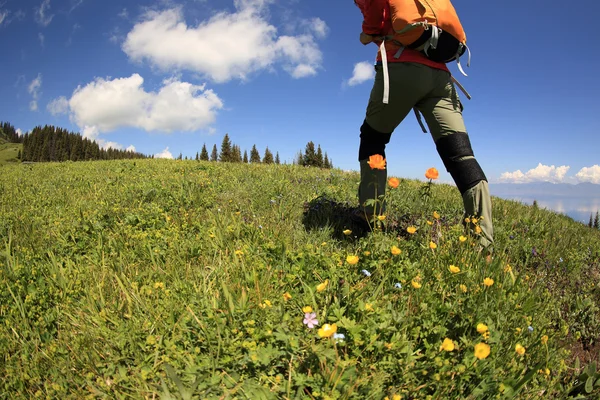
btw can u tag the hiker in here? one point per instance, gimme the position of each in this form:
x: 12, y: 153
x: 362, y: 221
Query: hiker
x: 406, y: 79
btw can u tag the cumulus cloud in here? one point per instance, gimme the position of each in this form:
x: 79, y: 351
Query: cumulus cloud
x: 589, y: 174
x: 41, y: 14
x: 106, y: 105
x: 541, y: 173
x: 58, y: 106
x: 131, y: 148
x: 363, y: 72
x: 164, y: 154
x: 34, y: 91
x: 251, y: 44
x: 19, y: 132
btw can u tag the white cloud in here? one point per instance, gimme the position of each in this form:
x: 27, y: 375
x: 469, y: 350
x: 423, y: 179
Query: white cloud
x: 6, y: 17
x: 131, y: 148
x: 42, y: 38
x: 178, y: 106
x: 75, y: 4
x: 58, y: 106
x: 19, y: 132
x: 124, y: 14
x: 164, y: 154
x: 589, y: 174
x: 250, y: 44
x: 3, y: 15
x: 541, y: 173
x: 363, y: 72
x: 34, y: 91
x: 319, y: 27
x: 41, y: 14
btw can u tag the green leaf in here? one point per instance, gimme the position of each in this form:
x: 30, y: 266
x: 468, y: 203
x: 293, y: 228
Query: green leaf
x: 589, y: 384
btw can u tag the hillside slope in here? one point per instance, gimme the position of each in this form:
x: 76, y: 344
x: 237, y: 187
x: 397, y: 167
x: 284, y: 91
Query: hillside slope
x: 149, y: 277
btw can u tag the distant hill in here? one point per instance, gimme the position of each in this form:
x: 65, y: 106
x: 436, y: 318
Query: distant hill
x: 545, y: 189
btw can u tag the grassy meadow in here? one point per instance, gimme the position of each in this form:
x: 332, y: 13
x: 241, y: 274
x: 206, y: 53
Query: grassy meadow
x: 172, y: 279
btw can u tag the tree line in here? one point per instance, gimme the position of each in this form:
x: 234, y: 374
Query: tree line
x: 50, y: 143
x: 9, y: 133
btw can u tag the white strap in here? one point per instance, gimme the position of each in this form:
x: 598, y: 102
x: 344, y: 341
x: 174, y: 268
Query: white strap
x: 386, y: 74
x: 432, y: 42
x: 460, y: 68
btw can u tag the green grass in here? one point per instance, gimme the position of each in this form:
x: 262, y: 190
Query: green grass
x: 9, y: 152
x: 179, y: 279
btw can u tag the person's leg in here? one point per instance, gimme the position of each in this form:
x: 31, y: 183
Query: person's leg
x: 442, y: 111
x: 408, y: 83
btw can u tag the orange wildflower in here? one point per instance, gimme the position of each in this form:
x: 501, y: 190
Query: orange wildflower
x: 377, y: 162
x: 432, y: 173
x: 394, y: 182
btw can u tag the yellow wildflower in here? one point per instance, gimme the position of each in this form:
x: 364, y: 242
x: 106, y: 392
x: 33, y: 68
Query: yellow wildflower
x: 474, y: 220
x: 520, y: 349
x: 322, y: 286
x: 367, y: 253
x: 462, y: 238
x: 463, y: 288
x: 307, y: 309
x: 381, y: 217
x: 436, y: 215
x: 467, y: 220
x: 518, y: 330
x: 488, y: 282
x: 287, y: 296
x: 508, y: 268
x: 454, y: 269
x: 347, y: 232
x: 482, y: 350
x: 482, y: 328
x: 352, y: 260
x: 396, y: 251
x: 369, y: 307
x: 327, y: 330
x: 544, y: 339
x: 429, y: 223
x: 432, y: 246
x: 477, y: 229
x: 411, y: 229
x: 239, y: 252
x: 447, y: 345
x: 415, y: 284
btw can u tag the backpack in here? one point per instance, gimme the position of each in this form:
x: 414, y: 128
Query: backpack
x: 430, y: 26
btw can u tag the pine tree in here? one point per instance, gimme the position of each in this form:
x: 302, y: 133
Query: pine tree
x: 226, y: 151
x: 254, y: 155
x: 197, y: 157
x: 591, y: 223
x: 326, y: 162
x: 19, y: 155
x: 299, y: 159
x: 180, y: 157
x: 245, y: 160
x: 319, y: 157
x: 204, y: 153
x: 277, y: 160
x: 597, y: 221
x: 309, y: 155
x: 236, y: 154
x: 214, y: 155
x: 268, y: 158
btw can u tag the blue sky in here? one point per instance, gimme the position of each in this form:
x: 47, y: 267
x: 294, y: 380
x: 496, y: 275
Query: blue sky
x: 167, y: 76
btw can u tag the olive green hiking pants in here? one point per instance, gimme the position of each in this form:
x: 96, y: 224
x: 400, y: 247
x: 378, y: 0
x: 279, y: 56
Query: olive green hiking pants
x: 432, y: 92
